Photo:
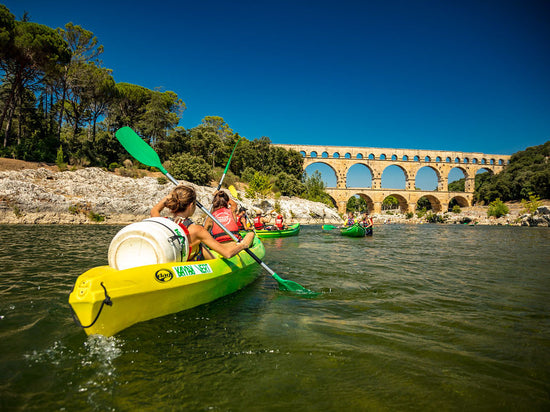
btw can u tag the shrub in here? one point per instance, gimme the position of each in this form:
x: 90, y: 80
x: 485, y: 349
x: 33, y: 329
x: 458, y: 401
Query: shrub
x: 531, y: 205
x: 457, y: 209
x: 434, y: 218
x: 194, y: 169
x: 162, y: 180
x: 420, y: 212
x: 248, y: 174
x: 259, y: 185
x: 497, y: 208
x: 409, y: 215
x: 113, y: 166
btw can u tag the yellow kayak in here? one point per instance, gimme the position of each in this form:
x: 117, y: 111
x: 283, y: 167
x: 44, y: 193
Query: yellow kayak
x: 106, y: 300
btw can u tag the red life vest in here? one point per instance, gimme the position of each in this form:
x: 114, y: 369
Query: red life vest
x: 184, y: 224
x: 279, y: 222
x: 225, y: 216
x: 258, y: 224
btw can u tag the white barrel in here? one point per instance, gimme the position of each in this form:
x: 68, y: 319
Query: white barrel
x: 151, y: 241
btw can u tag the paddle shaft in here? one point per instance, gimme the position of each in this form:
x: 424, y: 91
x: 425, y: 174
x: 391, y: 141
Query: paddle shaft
x: 227, y: 165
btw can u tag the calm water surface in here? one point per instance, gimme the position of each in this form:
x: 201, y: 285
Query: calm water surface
x: 415, y: 318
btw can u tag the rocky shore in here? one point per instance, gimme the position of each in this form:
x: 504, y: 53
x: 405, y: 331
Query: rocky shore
x: 92, y: 195
x: 43, y: 195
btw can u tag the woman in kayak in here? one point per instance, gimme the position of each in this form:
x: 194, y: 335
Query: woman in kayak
x: 182, y: 202
x: 242, y: 219
x: 350, y: 220
x: 225, y: 210
x: 260, y: 221
x: 367, y: 223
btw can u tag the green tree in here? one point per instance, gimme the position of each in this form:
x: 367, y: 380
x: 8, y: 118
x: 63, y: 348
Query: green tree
x: 315, y: 189
x: 288, y: 185
x: 390, y: 202
x: 34, y: 51
x: 497, y: 208
x: 259, y: 185
x: 192, y: 168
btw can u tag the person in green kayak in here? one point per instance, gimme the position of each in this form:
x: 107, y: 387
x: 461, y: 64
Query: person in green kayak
x: 367, y: 223
x: 182, y: 202
x: 260, y: 221
x: 225, y: 210
x: 350, y: 221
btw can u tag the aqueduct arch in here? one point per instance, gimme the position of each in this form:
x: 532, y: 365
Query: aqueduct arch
x: 342, y: 158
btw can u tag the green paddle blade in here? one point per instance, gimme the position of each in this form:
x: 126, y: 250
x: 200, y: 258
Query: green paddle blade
x: 290, y: 286
x: 138, y: 148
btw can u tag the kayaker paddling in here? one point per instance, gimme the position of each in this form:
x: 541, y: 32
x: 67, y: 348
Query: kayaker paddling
x: 182, y: 204
x: 225, y: 210
x: 260, y: 221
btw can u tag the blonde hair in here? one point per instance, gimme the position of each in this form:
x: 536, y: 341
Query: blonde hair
x: 180, y: 199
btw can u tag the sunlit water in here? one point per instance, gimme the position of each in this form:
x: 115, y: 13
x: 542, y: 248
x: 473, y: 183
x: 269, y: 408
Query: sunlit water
x: 415, y: 318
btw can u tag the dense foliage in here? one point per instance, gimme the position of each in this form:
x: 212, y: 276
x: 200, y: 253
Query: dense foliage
x: 528, y: 173
x: 59, y: 104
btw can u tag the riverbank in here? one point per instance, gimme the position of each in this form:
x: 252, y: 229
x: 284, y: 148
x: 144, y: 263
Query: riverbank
x: 36, y: 193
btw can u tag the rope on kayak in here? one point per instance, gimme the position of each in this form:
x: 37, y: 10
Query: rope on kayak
x: 107, y: 301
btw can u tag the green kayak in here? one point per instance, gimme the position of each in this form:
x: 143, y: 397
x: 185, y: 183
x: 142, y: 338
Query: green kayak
x: 354, y: 231
x: 292, y: 230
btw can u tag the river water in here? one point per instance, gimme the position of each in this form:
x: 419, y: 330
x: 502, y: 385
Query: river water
x: 423, y: 317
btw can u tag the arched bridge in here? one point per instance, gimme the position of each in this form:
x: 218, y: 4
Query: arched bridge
x: 410, y: 161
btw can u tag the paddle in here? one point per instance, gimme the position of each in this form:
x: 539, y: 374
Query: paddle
x: 145, y: 154
x: 236, y: 196
x: 227, y: 165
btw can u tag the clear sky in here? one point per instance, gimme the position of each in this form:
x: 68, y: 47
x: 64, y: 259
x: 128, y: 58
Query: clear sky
x: 461, y: 75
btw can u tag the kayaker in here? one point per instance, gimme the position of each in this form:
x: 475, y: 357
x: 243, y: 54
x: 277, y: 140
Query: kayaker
x: 182, y: 202
x: 260, y: 221
x: 367, y: 223
x: 225, y: 210
x: 242, y: 219
x: 279, y: 222
x: 350, y: 220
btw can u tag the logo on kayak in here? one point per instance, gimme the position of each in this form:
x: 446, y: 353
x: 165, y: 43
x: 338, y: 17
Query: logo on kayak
x: 164, y: 275
x: 190, y: 270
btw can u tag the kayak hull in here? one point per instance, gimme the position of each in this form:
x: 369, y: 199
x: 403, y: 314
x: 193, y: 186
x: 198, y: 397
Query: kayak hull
x: 292, y: 230
x: 354, y: 231
x: 147, y: 292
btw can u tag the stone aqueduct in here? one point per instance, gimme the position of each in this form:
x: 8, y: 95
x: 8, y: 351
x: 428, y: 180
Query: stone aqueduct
x: 341, y: 159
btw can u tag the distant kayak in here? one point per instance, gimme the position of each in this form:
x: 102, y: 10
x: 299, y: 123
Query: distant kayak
x: 292, y: 230
x: 354, y: 231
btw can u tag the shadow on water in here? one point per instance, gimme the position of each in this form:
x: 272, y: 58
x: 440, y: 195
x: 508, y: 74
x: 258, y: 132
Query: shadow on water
x: 416, y: 317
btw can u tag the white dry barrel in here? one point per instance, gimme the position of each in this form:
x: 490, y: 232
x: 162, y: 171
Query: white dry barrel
x: 151, y: 241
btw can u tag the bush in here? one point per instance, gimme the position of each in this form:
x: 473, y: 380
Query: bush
x: 248, y: 174
x: 497, y: 208
x: 194, y: 169
x: 113, y: 166
x: 434, y: 218
x: 531, y: 205
x: 457, y: 209
x: 259, y: 185
x: 289, y: 185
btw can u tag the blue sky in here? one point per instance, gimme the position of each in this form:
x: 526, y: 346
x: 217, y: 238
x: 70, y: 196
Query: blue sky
x: 428, y: 74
